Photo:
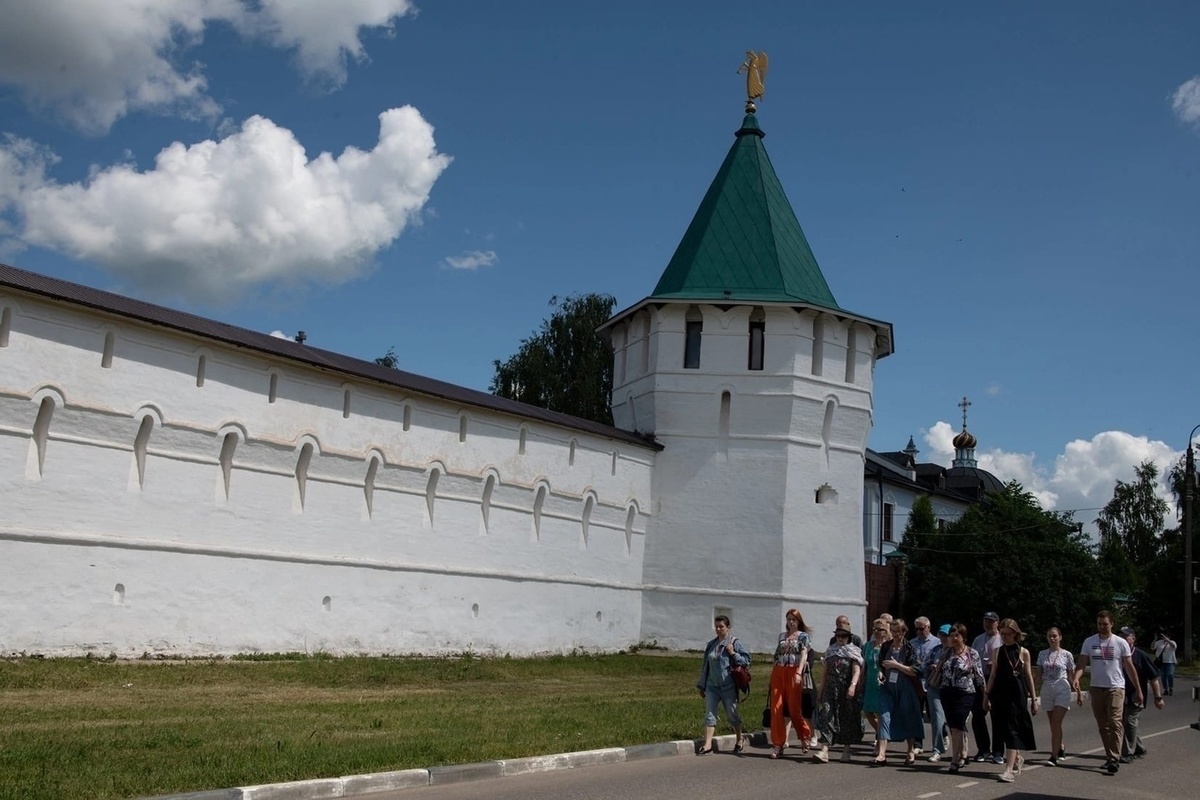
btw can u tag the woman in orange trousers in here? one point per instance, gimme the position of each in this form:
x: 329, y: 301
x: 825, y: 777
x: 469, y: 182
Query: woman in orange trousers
x: 787, y: 684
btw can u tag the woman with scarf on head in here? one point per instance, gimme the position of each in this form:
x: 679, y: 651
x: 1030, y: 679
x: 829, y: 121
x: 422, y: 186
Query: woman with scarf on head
x: 839, y: 703
x: 787, y: 684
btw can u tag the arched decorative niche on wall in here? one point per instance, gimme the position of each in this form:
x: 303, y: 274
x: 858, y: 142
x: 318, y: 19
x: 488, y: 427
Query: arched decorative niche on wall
x: 48, y: 399
x: 490, y: 480
x: 522, y: 439
x: 464, y: 422
x: 826, y: 494
x: 827, y: 426
x: 347, y: 396
x: 406, y: 416
x: 585, y: 518
x: 148, y: 417
x: 541, y: 490
x: 306, y: 449
x: 6, y: 315
x: 616, y: 456
x: 434, y: 473
x: 201, y: 368
x: 106, y: 355
x: 231, y: 436
x: 571, y: 452
x: 631, y: 513
x: 273, y: 387
x: 375, y: 461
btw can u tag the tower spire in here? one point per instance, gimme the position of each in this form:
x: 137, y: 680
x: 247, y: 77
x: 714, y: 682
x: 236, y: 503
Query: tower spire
x: 964, y: 443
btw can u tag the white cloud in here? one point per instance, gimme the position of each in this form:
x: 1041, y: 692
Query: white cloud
x: 1185, y: 102
x: 281, y: 335
x: 217, y: 218
x: 472, y: 260
x: 1083, y: 475
x: 91, y: 62
x: 994, y: 389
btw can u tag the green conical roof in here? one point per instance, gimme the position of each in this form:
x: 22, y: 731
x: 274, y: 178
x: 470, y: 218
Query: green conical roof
x: 745, y: 243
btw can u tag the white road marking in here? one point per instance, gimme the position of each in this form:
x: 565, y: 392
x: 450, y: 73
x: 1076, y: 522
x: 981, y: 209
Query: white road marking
x: 1170, y: 730
x: 925, y: 796
x: 967, y: 784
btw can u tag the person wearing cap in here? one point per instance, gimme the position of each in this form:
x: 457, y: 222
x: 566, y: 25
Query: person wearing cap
x: 1109, y: 656
x: 839, y: 703
x: 937, y: 715
x: 1056, y: 664
x: 986, y: 644
x: 1147, y: 678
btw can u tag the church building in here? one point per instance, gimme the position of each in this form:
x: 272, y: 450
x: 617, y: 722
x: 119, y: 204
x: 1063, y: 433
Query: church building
x: 175, y: 485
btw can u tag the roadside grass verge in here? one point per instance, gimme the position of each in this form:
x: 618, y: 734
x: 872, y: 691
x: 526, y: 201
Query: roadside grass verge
x: 113, y: 729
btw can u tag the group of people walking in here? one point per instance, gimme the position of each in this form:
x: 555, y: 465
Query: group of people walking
x: 894, y: 682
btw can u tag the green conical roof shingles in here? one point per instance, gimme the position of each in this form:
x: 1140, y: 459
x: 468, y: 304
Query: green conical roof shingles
x: 745, y: 242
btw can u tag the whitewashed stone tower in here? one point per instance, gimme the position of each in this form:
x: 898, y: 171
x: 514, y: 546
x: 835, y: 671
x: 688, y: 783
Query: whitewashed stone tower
x: 743, y: 366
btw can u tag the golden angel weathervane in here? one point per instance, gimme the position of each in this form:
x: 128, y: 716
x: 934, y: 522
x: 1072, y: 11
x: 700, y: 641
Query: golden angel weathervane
x: 755, y: 67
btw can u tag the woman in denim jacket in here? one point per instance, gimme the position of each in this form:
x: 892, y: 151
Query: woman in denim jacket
x: 716, y: 682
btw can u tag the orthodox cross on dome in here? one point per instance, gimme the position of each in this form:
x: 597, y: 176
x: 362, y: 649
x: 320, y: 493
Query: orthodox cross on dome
x: 755, y: 67
x: 964, y: 405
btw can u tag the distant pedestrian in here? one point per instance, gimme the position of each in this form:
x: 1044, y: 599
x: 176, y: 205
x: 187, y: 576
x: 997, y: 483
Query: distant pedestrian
x: 1010, y: 690
x: 716, y: 682
x: 986, y: 644
x: 1164, y: 653
x: 785, y: 697
x: 839, y: 703
x: 923, y: 643
x: 871, y: 690
x: 933, y: 697
x: 1111, y: 661
x: 843, y: 622
x: 900, y: 719
x: 962, y: 678
x: 1056, y: 665
x: 1147, y: 680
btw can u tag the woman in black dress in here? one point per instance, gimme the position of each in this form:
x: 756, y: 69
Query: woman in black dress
x: 1011, y: 698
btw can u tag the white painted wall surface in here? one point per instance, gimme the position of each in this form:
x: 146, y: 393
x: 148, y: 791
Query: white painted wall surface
x: 266, y: 565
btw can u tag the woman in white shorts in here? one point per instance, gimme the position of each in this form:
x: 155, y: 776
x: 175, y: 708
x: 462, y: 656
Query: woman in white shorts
x: 1055, y: 664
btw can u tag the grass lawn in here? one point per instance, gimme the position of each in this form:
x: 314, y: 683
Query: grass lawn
x: 107, y: 729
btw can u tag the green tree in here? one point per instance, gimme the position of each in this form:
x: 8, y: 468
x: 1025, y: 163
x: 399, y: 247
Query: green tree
x: 921, y: 523
x: 389, y: 359
x: 1133, y: 520
x: 566, y: 365
x: 1006, y: 554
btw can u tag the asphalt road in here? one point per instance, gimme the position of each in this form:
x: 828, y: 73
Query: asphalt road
x: 1170, y: 770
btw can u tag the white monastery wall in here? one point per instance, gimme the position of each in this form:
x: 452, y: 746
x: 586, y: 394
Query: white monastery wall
x: 164, y: 492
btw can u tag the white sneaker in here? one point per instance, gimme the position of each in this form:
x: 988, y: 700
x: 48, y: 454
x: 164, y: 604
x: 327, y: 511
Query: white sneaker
x: 1007, y: 776
x: 935, y: 756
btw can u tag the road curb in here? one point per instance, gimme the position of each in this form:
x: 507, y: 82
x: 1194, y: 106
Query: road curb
x: 354, y: 785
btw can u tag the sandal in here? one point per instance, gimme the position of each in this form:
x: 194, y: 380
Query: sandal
x: 877, y: 762
x: 776, y: 752
x: 738, y: 749
x: 704, y: 751
x: 910, y: 759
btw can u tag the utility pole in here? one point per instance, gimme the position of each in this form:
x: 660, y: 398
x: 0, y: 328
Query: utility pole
x: 1189, y: 490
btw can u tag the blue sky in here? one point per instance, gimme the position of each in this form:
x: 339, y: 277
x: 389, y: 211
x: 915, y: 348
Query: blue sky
x: 1016, y: 187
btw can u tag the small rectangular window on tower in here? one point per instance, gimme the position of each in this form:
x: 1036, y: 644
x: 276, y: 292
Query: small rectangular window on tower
x: 691, y: 345
x: 888, y: 514
x: 757, y: 330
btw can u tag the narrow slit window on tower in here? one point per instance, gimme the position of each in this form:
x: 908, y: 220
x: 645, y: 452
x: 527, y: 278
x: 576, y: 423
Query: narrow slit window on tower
x: 201, y: 365
x: 41, y: 432
x: 407, y: 416
x: 346, y: 404
x: 851, y: 354
x: 818, y: 347
x: 273, y: 388
x: 630, y: 516
x: 110, y: 341
x: 522, y: 438
x: 485, y: 503
x: 431, y: 494
x: 585, y: 519
x: 571, y: 454
x: 539, y: 501
x: 758, y: 329
x: 616, y: 454
x: 462, y: 428
x: 369, y: 486
x: 723, y: 421
x: 645, y: 345
x: 693, y: 334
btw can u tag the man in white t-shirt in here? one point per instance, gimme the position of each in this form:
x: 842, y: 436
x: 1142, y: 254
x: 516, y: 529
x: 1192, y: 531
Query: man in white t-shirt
x: 1111, y: 660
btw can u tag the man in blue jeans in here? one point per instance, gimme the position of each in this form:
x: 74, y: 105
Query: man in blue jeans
x: 923, y: 643
x: 933, y: 696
